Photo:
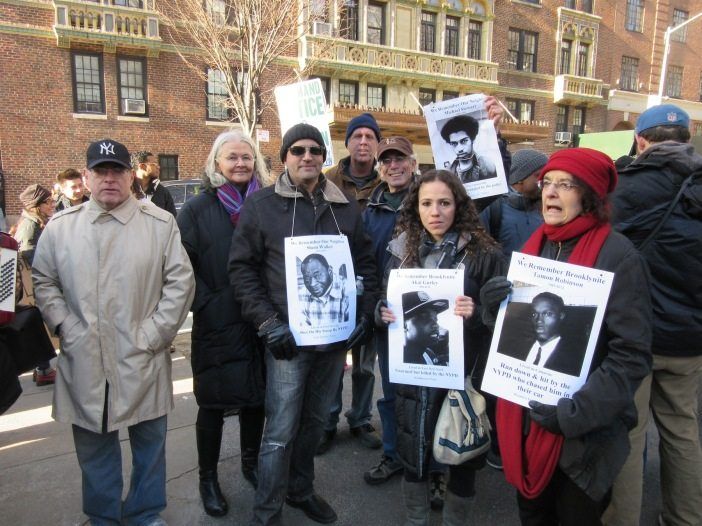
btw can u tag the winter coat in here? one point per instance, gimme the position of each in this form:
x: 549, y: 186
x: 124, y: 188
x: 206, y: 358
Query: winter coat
x: 119, y: 296
x: 339, y: 175
x: 161, y: 197
x: 417, y: 408
x: 226, y: 355
x: 597, y: 422
x: 257, y: 256
x: 646, y: 188
x: 27, y: 236
x: 511, y: 220
x: 63, y: 202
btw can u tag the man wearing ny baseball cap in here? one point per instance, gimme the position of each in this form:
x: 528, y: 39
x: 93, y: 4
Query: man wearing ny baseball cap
x: 116, y: 300
x: 658, y: 179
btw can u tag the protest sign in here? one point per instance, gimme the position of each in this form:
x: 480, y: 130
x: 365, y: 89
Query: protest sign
x: 426, y: 340
x: 546, y: 331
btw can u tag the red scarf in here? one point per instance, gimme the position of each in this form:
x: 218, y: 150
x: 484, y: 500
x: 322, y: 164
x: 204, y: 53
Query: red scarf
x: 529, y: 464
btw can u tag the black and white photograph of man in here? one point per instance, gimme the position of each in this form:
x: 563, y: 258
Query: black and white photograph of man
x: 323, y: 298
x: 459, y: 133
x: 426, y: 342
x: 547, y: 333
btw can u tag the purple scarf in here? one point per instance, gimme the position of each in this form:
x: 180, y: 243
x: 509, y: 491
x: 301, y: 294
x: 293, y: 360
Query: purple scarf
x: 231, y: 198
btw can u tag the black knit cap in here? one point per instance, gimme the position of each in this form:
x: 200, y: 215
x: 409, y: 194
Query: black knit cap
x: 299, y: 132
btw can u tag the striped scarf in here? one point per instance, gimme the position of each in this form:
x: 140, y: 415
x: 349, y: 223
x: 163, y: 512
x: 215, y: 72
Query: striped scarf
x: 231, y: 199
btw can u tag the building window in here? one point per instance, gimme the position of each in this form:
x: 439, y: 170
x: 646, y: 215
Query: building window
x: 679, y: 16
x: 426, y: 96
x: 523, y: 110
x: 586, y: 5
x: 375, y: 96
x: 634, y: 15
x: 348, y: 92
x: 629, y: 76
x: 452, y: 24
x: 561, y: 118
x: 88, y: 88
x: 169, y: 167
x: 583, y: 56
x: 673, y: 82
x: 129, y: 3
x: 566, y: 51
x: 348, y: 23
x: 578, y: 120
x: 427, y: 37
x: 216, y: 10
x: 475, y: 37
x: 326, y: 83
x: 132, y: 82
x: 448, y: 95
x: 522, y: 50
x: 217, y: 96
x: 376, y: 23
x: 570, y: 4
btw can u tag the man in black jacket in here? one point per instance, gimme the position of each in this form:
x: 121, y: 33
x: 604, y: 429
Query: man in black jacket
x: 647, y: 188
x: 301, y: 380
x: 147, y: 170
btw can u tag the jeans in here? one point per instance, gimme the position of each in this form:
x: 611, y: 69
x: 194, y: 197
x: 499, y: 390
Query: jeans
x: 298, y: 395
x: 386, y: 404
x: 100, y: 460
x: 362, y: 385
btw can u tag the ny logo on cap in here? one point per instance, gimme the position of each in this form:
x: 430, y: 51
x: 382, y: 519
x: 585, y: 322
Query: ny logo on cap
x: 107, y: 148
x: 672, y: 116
x: 389, y: 141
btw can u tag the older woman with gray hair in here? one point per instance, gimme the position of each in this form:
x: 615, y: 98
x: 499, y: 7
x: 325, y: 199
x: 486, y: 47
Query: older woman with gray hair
x: 226, y: 356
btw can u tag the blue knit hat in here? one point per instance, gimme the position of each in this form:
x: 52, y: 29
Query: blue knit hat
x: 364, y: 120
x: 662, y: 115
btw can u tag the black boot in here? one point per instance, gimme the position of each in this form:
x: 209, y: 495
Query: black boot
x: 251, y: 421
x: 209, y: 442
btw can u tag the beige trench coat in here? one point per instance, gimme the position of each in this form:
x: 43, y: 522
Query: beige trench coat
x: 119, y: 284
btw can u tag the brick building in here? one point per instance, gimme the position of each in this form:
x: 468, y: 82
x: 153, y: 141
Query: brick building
x: 561, y: 67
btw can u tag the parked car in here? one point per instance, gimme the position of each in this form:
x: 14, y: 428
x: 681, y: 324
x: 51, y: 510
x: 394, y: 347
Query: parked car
x: 183, y: 189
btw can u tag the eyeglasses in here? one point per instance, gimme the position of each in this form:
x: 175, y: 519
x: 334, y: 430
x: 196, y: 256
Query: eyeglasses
x: 299, y: 151
x: 561, y: 186
x: 387, y: 161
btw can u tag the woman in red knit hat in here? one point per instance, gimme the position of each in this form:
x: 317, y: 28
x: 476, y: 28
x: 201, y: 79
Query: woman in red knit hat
x: 563, y: 458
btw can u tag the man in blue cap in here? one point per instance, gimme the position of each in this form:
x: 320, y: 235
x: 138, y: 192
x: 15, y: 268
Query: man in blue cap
x: 659, y: 181
x: 357, y: 177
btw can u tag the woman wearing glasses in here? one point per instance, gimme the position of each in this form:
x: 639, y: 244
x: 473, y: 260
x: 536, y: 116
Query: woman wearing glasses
x: 563, y: 459
x: 226, y: 356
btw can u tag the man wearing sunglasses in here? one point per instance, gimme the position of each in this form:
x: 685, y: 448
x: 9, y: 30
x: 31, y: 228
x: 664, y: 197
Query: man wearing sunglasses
x: 357, y: 177
x: 301, y: 380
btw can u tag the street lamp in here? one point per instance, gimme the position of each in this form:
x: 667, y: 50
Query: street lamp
x: 666, y: 50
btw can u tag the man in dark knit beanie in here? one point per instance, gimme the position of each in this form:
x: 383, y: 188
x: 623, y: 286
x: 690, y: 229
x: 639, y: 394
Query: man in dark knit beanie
x: 357, y: 178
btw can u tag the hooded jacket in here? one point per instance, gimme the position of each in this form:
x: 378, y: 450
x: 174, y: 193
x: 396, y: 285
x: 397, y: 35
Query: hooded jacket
x: 646, y: 188
x: 257, y: 255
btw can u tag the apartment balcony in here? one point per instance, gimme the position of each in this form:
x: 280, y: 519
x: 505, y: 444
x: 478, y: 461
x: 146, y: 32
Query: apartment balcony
x: 569, y: 89
x: 104, y: 22
x: 328, y: 54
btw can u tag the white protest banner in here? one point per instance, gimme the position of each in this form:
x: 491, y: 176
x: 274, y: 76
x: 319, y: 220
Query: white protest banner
x: 464, y: 141
x: 546, y: 331
x: 321, y: 289
x: 305, y: 102
x: 426, y: 340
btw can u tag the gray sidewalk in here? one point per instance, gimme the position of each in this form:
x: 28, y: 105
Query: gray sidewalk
x: 40, y: 479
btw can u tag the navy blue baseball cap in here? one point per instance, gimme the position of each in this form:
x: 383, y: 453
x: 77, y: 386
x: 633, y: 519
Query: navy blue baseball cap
x: 662, y: 115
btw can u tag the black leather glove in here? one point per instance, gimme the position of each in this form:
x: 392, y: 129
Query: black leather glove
x: 376, y: 314
x: 492, y: 293
x: 279, y: 340
x: 361, y: 334
x: 546, y: 416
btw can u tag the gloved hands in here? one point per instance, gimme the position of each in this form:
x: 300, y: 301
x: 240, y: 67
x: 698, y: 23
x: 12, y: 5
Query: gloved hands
x: 546, y: 416
x: 492, y: 293
x: 360, y: 334
x: 279, y: 340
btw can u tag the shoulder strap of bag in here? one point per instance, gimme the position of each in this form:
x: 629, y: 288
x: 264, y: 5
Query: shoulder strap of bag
x: 665, y: 217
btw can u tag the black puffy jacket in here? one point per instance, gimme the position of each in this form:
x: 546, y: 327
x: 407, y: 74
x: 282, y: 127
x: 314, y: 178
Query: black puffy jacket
x: 646, y: 188
x: 226, y: 356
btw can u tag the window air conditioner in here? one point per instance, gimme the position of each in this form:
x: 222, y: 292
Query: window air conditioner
x: 136, y: 106
x: 322, y: 28
x: 564, y: 137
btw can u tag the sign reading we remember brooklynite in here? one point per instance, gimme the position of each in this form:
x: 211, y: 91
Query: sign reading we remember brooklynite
x: 426, y: 341
x: 305, y: 102
x: 546, y: 331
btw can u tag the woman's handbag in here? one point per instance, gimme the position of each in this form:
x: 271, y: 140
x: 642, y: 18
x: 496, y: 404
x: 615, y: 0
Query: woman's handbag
x: 463, y: 429
x: 27, y: 339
